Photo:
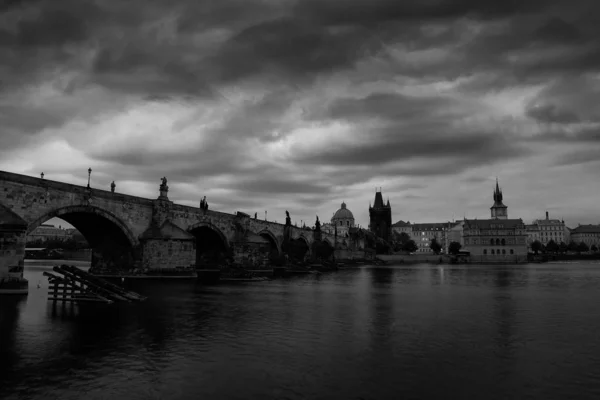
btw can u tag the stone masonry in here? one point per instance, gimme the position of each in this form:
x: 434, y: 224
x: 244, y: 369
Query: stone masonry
x: 102, y: 216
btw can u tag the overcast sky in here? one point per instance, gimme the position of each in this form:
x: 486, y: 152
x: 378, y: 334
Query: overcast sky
x: 300, y: 105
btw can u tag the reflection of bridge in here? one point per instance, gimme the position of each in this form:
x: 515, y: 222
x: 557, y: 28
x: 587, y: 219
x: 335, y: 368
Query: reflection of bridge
x: 129, y: 230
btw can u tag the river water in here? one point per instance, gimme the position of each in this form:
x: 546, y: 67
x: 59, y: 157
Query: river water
x: 399, y: 332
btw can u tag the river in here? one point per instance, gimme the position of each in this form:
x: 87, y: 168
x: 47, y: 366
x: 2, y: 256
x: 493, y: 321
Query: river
x: 399, y: 332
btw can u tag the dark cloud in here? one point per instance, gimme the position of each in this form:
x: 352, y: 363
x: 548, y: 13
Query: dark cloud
x: 294, y: 58
x: 552, y: 113
x: 373, y: 12
x: 568, y: 100
x: 386, y: 106
x: 579, y: 157
x: 280, y: 185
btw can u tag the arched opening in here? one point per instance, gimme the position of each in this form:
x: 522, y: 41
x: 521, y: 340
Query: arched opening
x: 296, y: 249
x: 323, y: 250
x: 111, y: 244
x: 211, y: 246
x: 274, y: 249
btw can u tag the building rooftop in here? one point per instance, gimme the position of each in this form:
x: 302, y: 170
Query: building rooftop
x: 342, y: 213
x: 402, y: 224
x: 586, y: 229
x: 487, y: 223
x: 434, y: 226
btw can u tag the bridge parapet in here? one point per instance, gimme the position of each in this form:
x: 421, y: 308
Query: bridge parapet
x: 103, y: 215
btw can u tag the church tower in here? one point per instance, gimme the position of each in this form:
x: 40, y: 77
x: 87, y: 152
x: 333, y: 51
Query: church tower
x: 380, y: 218
x: 499, y: 210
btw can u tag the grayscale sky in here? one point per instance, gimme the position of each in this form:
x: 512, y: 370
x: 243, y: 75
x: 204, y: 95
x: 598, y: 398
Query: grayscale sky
x: 300, y: 105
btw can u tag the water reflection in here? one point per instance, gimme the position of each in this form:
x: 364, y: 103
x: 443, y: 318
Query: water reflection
x: 424, y: 331
x: 10, y: 311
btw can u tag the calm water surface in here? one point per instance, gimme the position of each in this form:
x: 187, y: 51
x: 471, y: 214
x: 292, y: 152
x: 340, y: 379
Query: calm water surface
x: 420, y: 332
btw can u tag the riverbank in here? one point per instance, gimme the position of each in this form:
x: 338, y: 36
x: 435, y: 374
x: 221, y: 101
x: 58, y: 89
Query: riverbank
x: 415, y: 258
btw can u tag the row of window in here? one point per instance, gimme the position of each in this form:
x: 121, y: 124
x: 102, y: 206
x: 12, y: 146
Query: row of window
x: 498, y: 251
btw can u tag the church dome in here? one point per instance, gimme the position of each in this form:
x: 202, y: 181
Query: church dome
x: 343, y: 214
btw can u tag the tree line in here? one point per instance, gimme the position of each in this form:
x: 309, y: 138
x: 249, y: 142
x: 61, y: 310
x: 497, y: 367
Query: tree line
x: 562, y: 247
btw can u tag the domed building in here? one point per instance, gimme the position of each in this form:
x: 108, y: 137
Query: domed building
x: 342, y: 219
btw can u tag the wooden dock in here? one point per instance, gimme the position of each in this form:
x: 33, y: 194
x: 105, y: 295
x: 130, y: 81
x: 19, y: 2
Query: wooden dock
x: 75, y: 285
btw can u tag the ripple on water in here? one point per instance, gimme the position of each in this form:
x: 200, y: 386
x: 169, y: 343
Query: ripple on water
x: 423, y: 331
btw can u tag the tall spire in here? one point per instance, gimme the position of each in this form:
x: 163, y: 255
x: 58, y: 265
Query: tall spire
x: 497, y: 193
x: 498, y: 210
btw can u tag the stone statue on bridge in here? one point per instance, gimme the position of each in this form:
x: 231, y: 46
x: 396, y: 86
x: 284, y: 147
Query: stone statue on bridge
x: 255, y: 215
x: 203, y: 204
x: 288, y: 220
x: 112, y: 187
x: 163, y: 189
x: 318, y: 225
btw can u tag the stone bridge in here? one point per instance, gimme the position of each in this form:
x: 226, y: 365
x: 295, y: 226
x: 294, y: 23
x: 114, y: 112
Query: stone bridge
x: 149, y: 233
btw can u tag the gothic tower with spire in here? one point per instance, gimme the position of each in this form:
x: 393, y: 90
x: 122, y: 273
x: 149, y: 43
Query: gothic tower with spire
x: 499, y: 210
x: 380, y: 217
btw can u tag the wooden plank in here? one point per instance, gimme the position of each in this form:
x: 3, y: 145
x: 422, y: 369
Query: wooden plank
x: 84, y: 300
x: 91, y: 287
x: 103, y: 283
x: 69, y: 282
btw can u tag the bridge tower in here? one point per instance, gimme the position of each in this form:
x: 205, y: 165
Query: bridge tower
x: 380, y: 217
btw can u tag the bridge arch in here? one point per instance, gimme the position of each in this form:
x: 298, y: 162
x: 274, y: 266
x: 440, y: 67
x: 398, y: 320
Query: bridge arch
x: 304, y: 239
x: 212, y: 246
x: 298, y: 248
x: 272, y: 238
x: 113, y: 243
x: 328, y: 241
x: 67, y: 213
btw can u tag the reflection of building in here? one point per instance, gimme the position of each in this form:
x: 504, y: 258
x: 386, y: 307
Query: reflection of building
x: 550, y: 229
x: 47, y: 232
x: 380, y: 218
x: 498, y: 239
x: 588, y: 234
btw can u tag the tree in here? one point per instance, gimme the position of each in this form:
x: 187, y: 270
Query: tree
x: 435, y: 246
x: 410, y: 246
x: 563, y: 247
x: 399, y: 240
x: 551, y: 246
x: 582, y: 247
x: 594, y: 248
x: 573, y: 246
x: 536, y: 246
x: 454, y: 247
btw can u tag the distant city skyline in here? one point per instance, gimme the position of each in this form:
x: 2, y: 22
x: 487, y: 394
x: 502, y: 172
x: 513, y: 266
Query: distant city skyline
x: 302, y: 105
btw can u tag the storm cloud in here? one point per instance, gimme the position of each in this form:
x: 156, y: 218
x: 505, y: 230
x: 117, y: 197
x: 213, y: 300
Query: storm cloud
x: 301, y: 104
